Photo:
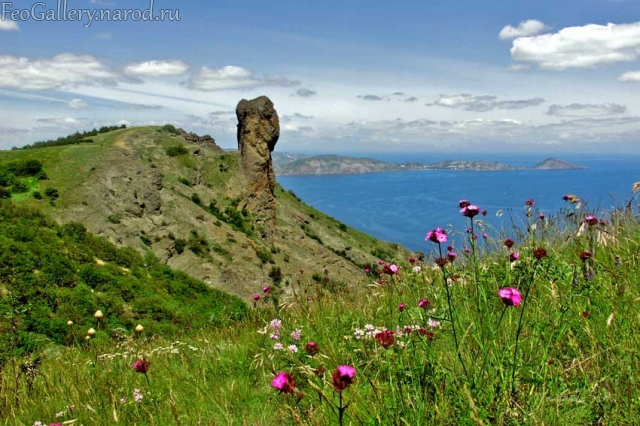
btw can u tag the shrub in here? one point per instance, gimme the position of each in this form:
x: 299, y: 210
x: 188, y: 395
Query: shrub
x: 196, y: 199
x: 19, y: 187
x: 37, y: 195
x: 52, y: 193
x: 184, y: 181
x: 176, y: 150
x: 170, y: 128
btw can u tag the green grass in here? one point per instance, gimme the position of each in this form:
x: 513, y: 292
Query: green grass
x: 567, y: 355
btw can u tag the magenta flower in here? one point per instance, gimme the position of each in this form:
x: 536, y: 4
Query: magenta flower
x: 464, y: 203
x: 529, y: 202
x: 284, y: 382
x: 541, y: 216
x: 385, y: 338
x: 141, y: 366
x: 510, y: 296
x: 484, y: 212
x: 591, y: 220
x: 437, y: 235
x: 452, y: 256
x: 367, y: 270
x: 312, y: 348
x: 401, y: 307
x: 424, y: 303
x: 266, y: 289
x: 485, y: 235
x: 343, y: 377
x: 566, y: 197
x: 470, y: 210
x: 449, y: 248
x: 256, y: 297
x: 390, y: 269
x: 509, y: 242
x: 513, y: 256
x: 467, y: 250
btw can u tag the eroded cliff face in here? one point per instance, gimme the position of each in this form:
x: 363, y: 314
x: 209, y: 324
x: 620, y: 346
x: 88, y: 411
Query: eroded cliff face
x: 258, y: 133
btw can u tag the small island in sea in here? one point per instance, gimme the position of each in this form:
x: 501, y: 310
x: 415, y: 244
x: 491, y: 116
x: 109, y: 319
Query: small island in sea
x: 298, y: 164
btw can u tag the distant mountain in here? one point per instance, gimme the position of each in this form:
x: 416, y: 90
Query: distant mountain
x: 297, y: 164
x: 555, y: 164
x: 282, y: 158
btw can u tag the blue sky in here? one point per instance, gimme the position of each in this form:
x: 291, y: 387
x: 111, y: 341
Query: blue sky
x: 345, y: 76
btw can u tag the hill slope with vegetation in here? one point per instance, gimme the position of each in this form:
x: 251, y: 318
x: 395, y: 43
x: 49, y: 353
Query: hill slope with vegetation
x: 163, y: 191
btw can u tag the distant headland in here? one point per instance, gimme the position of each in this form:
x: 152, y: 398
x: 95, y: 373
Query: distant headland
x: 298, y: 164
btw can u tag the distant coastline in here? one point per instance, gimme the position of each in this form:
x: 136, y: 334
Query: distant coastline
x: 287, y: 164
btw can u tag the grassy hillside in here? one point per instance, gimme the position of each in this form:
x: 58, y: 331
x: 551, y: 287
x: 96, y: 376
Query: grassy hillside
x: 433, y: 342
x: 152, y: 189
x: 54, y: 274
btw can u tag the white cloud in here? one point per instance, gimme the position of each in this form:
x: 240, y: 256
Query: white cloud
x: 66, y: 122
x: 526, y: 28
x: 518, y: 67
x: 157, y: 68
x: 580, y: 47
x: 8, y: 25
x: 78, y: 104
x: 630, y: 76
x: 586, y: 110
x: 104, y: 36
x: 43, y: 74
x: 483, y: 103
x: 233, y: 77
x: 305, y: 93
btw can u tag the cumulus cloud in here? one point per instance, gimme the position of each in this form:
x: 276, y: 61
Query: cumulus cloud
x: 469, y: 102
x: 8, y: 25
x: 78, y: 104
x: 233, y: 77
x: 586, y: 110
x: 305, y: 93
x: 44, y: 74
x: 370, y: 97
x: 526, y: 28
x: 157, y: 68
x: 580, y: 47
x: 630, y: 76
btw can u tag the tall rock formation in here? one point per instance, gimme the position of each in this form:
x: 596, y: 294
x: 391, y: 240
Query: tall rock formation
x: 258, y: 133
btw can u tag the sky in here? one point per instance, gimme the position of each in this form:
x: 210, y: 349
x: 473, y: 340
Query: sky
x: 345, y: 76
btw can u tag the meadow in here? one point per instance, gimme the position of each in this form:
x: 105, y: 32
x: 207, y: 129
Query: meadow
x: 534, y: 325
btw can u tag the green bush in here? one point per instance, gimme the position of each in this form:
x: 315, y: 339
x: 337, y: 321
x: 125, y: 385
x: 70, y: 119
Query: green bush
x: 176, y: 150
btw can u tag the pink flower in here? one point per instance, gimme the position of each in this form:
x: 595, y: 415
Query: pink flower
x: 256, y: 297
x: 401, y: 307
x: 470, y: 210
x: 266, y: 289
x: 437, y: 235
x: 485, y: 235
x: 464, y: 203
x: 141, y: 366
x: 467, y: 250
x: 312, y: 348
x: 510, y: 296
x: 449, y: 248
x: 284, y: 383
x: 390, y: 269
x: 452, y: 256
x: 508, y: 243
x: 529, y: 202
x: 424, y: 303
x: 367, y: 270
x: 591, y: 220
x: 513, y: 256
x: 343, y: 377
x: 484, y: 212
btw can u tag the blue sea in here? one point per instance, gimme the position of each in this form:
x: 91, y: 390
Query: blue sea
x: 402, y: 206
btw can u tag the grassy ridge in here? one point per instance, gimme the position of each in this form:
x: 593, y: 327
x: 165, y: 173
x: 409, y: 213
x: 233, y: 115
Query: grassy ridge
x: 567, y: 354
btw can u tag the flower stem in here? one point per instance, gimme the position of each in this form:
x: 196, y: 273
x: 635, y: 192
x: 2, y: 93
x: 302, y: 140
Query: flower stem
x: 451, y: 317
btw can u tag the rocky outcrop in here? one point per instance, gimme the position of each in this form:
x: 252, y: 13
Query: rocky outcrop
x: 258, y: 133
x: 201, y: 140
